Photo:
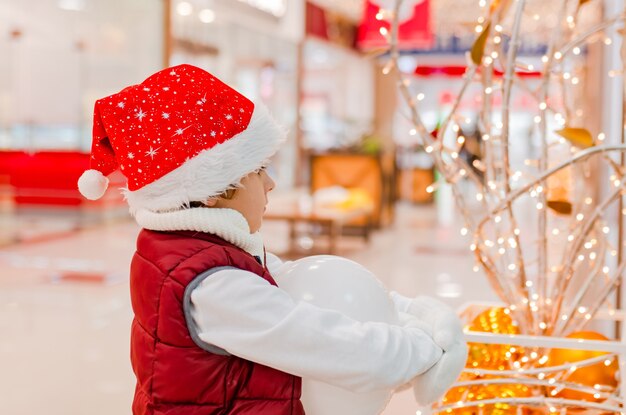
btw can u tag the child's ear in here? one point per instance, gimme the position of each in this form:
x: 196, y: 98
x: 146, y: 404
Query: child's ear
x: 210, y: 202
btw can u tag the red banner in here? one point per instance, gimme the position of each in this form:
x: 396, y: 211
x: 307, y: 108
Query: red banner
x: 414, y: 33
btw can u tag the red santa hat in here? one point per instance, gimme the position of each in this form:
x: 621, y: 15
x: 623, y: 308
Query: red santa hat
x: 181, y: 135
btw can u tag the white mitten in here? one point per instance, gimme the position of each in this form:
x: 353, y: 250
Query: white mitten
x: 430, y: 386
x: 445, y: 325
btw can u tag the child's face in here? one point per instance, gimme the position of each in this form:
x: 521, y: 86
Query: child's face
x: 251, y: 199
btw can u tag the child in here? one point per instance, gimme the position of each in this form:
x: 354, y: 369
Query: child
x: 212, y: 332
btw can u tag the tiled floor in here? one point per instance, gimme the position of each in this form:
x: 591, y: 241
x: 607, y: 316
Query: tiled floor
x: 65, y: 309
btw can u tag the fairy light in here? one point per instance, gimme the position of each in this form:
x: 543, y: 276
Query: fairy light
x: 601, y: 136
x: 501, y: 251
x: 512, y: 267
x: 544, y: 59
x: 476, y: 268
x: 555, y: 231
x: 580, y: 217
x: 420, y: 96
x: 539, y: 206
x: 387, y: 68
x: 608, y: 41
x: 537, y: 119
x: 478, y: 29
x: 497, y: 40
x: 570, y: 238
x: 454, y: 155
x: 494, y: 55
x: 485, y: 137
x: 516, y: 231
x: 430, y: 189
x: 605, y: 269
x: 512, y: 243
x: 567, y: 75
x: 481, y: 19
x: 460, y: 139
x: 462, y: 172
x: 581, y: 257
x: 498, y: 219
x: 607, y: 362
x: 479, y: 197
x: 412, y: 131
x: 582, y: 310
x: 588, y: 245
x: 482, y: 3
x: 464, y: 231
x: 543, y: 106
x: 488, y: 90
x: 570, y: 19
x: 588, y: 201
x: 500, y: 240
x: 575, y: 80
x: 472, y: 247
x: 380, y: 15
x: 543, y: 325
x: 592, y: 256
x: 558, y: 55
x: 429, y: 149
x: 576, y: 51
x: 528, y: 285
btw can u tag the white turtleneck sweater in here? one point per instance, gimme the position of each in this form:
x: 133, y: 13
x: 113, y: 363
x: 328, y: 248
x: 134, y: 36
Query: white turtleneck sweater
x: 243, y: 314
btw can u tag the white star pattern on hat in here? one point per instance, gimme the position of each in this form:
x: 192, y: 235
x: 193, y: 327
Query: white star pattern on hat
x: 140, y: 115
x: 152, y: 152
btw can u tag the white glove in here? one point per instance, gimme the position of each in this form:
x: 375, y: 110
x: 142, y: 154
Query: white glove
x: 407, y: 320
x: 447, y: 332
x: 429, y: 387
x: 445, y: 325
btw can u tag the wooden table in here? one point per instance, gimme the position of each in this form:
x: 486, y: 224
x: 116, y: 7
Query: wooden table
x: 297, y: 208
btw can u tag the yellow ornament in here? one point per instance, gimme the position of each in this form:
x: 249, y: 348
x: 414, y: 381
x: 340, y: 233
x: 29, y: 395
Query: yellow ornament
x: 484, y: 392
x: 493, y: 356
x: 598, y: 374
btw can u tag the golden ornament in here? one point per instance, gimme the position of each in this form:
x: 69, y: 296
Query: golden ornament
x: 597, y: 374
x: 493, y: 356
x: 484, y: 392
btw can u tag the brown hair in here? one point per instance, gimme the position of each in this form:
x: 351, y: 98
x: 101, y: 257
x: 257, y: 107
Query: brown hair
x: 228, y: 195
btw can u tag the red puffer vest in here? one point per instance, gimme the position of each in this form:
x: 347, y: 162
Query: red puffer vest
x: 174, y: 375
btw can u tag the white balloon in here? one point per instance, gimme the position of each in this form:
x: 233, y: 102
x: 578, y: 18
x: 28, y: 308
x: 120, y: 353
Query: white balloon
x: 339, y: 284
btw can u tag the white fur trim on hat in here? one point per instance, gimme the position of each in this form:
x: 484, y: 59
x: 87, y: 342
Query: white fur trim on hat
x: 215, y: 170
x: 92, y: 184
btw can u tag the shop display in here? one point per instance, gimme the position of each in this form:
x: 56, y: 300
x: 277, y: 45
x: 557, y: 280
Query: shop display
x: 555, y: 273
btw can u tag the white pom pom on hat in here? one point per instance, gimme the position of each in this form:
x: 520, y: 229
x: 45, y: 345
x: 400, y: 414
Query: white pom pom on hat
x: 92, y: 184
